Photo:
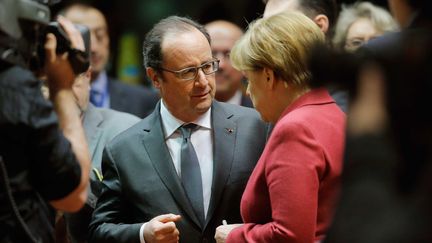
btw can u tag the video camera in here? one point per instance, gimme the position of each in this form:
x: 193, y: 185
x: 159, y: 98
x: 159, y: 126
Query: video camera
x: 23, y: 28
x: 79, y: 60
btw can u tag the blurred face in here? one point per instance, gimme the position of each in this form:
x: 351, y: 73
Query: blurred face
x: 81, y: 90
x: 93, y: 19
x: 256, y: 89
x: 359, y: 33
x: 277, y: 6
x: 186, y: 99
x: 228, y: 79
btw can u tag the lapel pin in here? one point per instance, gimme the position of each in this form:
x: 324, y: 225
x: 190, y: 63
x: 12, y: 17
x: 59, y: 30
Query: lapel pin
x: 229, y: 130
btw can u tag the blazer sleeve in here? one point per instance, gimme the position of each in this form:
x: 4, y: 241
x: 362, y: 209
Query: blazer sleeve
x: 109, y: 222
x: 292, y: 171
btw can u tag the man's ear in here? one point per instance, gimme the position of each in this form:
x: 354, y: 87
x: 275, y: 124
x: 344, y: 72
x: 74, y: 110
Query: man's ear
x: 153, y: 76
x: 322, y: 21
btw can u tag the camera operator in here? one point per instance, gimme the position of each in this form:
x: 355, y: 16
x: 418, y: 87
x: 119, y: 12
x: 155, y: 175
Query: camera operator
x: 44, y: 158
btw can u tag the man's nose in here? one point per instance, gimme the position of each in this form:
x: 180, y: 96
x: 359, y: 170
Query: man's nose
x: 201, y: 78
x: 222, y: 63
x: 224, y: 59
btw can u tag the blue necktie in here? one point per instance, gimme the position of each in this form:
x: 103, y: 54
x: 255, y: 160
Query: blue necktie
x: 96, y: 98
x: 191, y: 173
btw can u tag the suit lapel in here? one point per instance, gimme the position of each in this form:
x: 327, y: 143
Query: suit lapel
x: 159, y: 155
x: 91, y: 123
x: 225, y: 132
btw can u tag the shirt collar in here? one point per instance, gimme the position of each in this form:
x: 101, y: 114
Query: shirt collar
x: 100, y: 83
x: 170, y: 123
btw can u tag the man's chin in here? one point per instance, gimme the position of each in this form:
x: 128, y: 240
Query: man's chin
x: 95, y: 74
x: 204, y: 105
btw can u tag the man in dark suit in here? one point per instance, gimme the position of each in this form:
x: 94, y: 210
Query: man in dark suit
x: 182, y: 170
x: 108, y: 92
x: 100, y: 126
x: 229, y: 86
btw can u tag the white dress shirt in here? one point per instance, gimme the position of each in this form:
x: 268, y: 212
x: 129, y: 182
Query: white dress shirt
x: 202, y: 141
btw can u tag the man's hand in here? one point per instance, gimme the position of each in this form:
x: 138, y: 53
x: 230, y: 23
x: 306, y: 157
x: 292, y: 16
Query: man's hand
x: 60, y: 78
x: 57, y: 67
x: 223, y: 231
x: 162, y: 229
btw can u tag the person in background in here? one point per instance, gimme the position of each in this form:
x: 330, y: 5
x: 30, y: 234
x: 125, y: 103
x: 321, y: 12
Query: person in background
x: 387, y: 187
x: 106, y: 91
x: 179, y: 172
x: 324, y: 14
x: 292, y: 192
x: 229, y: 86
x: 101, y: 125
x: 44, y: 160
x: 360, y: 22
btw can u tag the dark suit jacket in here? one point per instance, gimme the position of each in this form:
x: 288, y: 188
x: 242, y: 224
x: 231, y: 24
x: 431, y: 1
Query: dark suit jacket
x: 141, y: 182
x: 137, y: 100
x: 246, y: 101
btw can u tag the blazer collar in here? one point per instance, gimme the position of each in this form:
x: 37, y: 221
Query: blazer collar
x: 317, y: 96
x: 225, y: 133
x: 91, y: 121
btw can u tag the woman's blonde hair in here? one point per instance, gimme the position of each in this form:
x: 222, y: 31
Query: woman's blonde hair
x: 282, y: 43
x: 380, y: 18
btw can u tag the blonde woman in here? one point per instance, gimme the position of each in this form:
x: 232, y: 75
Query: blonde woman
x: 360, y: 22
x: 291, y: 194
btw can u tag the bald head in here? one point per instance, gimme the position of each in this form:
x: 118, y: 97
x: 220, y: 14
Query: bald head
x: 95, y: 20
x: 224, y: 35
x: 224, y: 29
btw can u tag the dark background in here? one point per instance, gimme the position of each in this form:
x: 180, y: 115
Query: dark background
x: 136, y: 17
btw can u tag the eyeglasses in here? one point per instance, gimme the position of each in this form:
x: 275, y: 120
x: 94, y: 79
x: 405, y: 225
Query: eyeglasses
x: 191, y: 73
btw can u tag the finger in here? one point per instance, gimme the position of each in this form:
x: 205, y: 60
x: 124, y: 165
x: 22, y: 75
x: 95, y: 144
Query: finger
x: 172, y: 240
x: 169, y: 238
x: 50, y: 48
x: 166, y: 228
x: 169, y: 218
x: 73, y: 33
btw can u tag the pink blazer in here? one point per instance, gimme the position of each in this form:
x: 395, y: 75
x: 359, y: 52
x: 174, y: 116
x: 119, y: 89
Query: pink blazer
x: 292, y: 192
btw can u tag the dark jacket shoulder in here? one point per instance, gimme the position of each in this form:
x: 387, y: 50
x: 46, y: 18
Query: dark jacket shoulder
x: 134, y: 99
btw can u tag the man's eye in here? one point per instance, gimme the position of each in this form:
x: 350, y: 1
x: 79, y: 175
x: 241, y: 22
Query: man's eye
x: 189, y: 71
x: 207, y: 66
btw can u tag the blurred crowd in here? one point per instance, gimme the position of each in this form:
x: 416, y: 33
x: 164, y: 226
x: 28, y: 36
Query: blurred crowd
x: 308, y: 126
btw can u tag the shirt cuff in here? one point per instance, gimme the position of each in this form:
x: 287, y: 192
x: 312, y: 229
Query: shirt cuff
x: 142, y: 233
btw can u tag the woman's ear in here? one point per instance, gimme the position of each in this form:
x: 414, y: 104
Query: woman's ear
x: 322, y: 21
x: 269, y: 77
x: 153, y: 76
